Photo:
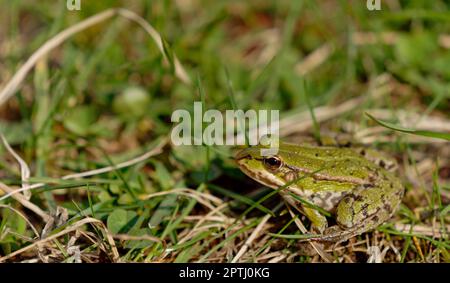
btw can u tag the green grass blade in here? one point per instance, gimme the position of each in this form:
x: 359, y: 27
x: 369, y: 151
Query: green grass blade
x: 437, y: 135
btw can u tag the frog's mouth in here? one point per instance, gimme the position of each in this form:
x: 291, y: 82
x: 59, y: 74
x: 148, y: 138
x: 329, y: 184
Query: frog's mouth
x: 258, y: 173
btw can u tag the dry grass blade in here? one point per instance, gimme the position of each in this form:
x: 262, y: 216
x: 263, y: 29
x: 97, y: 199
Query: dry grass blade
x: 423, y: 230
x: 24, y: 169
x: 302, y: 121
x: 374, y: 254
x: 22, y: 200
x: 22, y: 216
x: 72, y: 228
x: 277, y: 259
x: 252, y: 237
x: 390, y: 37
x: 210, y: 217
x: 204, y: 218
x: 12, y: 86
x: 155, y: 151
x: 202, y: 198
x: 125, y: 237
x: 326, y: 257
x: 179, y: 70
x: 314, y: 59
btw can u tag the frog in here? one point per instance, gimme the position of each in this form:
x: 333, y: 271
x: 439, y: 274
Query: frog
x: 356, y: 186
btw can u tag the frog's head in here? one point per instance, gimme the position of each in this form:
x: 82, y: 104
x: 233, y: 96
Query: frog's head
x: 269, y: 170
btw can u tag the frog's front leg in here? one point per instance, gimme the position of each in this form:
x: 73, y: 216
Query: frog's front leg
x: 318, y: 221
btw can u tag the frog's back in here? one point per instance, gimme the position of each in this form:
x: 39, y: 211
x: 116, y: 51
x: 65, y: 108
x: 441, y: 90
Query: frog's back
x: 330, y: 161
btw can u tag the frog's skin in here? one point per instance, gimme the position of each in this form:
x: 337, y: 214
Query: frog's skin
x: 360, y: 193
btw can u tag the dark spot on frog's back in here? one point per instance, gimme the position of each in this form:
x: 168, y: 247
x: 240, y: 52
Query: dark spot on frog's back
x: 365, y: 210
x: 357, y: 198
x: 372, y: 176
x: 367, y: 186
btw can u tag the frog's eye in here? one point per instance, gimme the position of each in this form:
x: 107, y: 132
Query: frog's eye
x: 273, y: 162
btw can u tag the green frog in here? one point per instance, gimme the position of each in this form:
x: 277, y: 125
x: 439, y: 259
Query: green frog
x: 354, y: 185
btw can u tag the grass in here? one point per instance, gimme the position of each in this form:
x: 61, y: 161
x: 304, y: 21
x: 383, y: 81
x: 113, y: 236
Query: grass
x: 105, y: 95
